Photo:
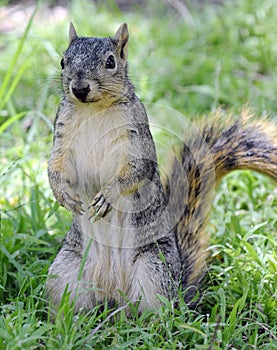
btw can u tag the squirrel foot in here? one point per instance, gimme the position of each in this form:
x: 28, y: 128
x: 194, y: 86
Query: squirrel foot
x: 71, y: 201
x: 99, y: 207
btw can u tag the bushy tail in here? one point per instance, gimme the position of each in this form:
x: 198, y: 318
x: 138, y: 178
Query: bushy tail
x: 220, y: 146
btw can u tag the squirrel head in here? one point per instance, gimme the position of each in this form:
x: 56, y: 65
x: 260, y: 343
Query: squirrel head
x: 95, y: 70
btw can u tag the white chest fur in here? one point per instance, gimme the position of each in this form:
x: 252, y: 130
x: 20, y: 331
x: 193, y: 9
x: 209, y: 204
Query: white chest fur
x: 98, y: 147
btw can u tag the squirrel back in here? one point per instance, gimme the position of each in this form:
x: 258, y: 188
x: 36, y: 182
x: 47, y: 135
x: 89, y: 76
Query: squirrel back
x: 130, y: 231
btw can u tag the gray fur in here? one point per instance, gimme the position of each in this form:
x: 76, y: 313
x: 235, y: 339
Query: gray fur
x: 103, y: 169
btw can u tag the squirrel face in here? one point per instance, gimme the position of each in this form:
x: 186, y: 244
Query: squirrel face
x: 94, y: 70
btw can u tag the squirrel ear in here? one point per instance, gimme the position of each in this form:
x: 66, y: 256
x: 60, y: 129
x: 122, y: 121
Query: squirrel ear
x: 122, y: 37
x: 72, y: 33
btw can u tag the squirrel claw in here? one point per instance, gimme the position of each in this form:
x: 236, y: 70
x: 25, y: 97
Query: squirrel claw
x: 99, y: 207
x: 73, y: 202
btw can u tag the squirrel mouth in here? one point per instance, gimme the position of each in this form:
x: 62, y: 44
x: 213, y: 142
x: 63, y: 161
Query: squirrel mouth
x: 91, y: 100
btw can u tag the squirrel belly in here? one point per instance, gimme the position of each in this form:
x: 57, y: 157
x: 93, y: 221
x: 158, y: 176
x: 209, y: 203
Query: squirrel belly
x: 131, y: 232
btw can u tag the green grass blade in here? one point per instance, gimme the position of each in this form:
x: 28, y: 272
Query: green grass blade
x: 14, y: 83
x: 11, y: 69
x: 11, y: 120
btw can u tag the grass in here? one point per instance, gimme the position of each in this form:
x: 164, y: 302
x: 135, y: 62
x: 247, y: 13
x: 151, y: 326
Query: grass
x: 225, y: 58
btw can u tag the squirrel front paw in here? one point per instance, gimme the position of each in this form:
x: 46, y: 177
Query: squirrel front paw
x: 99, y: 207
x: 70, y: 200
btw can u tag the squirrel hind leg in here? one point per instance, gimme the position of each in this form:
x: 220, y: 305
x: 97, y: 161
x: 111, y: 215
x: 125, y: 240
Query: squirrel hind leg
x: 64, y: 273
x: 157, y: 267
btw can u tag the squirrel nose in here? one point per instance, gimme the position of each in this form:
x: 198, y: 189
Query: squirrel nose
x: 81, y: 92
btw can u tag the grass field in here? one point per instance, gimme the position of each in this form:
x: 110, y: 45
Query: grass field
x: 215, y: 57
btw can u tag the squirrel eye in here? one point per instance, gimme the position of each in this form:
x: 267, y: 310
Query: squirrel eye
x: 62, y: 63
x: 110, y: 63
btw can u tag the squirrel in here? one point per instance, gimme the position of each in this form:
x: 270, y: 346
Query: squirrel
x: 135, y: 236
